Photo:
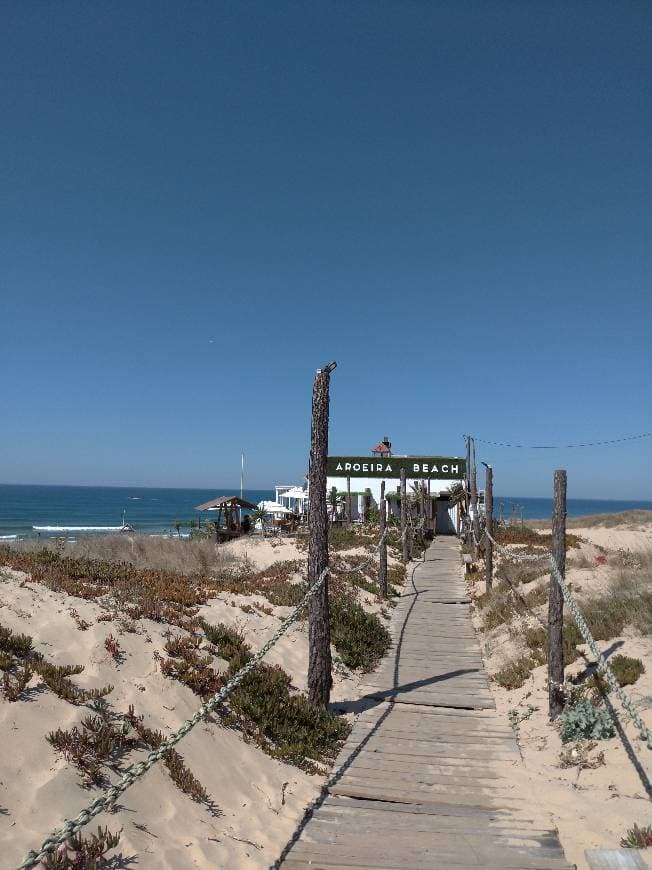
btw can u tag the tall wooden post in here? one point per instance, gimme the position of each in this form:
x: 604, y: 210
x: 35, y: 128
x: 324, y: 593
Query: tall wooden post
x: 319, y: 634
x: 404, y: 506
x: 489, y: 525
x: 556, y: 599
x: 423, y: 504
x: 382, y: 553
x: 349, y: 518
x: 474, y: 500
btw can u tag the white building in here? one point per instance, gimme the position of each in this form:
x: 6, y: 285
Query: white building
x: 363, y: 475
x: 293, y: 497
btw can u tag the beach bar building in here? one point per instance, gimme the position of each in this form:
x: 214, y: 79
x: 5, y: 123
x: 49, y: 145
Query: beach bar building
x: 227, y: 518
x: 361, y: 476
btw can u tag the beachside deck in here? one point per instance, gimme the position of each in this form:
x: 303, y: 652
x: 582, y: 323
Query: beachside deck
x: 421, y: 781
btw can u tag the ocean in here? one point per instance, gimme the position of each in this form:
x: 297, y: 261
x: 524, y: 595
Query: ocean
x: 541, y: 508
x: 97, y: 509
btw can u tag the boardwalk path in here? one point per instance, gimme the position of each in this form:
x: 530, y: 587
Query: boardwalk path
x: 421, y: 781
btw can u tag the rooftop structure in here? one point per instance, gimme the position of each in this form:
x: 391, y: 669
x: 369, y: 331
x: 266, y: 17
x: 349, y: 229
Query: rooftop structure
x: 384, y: 448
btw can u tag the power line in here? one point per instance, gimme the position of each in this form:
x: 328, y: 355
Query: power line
x: 564, y: 446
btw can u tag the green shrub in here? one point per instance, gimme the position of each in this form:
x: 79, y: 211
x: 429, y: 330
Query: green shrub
x: 285, y: 725
x: 360, y: 638
x: 16, y: 644
x: 262, y: 707
x: 627, y: 669
x: 515, y: 673
x: 585, y: 721
x: 529, y: 537
x: 229, y: 641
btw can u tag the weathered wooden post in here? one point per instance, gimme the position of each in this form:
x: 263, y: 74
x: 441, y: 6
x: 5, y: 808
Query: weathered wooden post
x: 319, y: 634
x: 423, y: 507
x: 475, y: 536
x: 382, y: 553
x: 556, y: 599
x: 489, y: 525
x: 404, y: 506
x: 349, y: 518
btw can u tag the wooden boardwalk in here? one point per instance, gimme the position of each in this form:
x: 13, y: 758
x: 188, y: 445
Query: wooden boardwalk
x: 421, y: 780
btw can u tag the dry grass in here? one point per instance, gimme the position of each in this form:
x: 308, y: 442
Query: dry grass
x: 627, y: 602
x: 634, y: 517
x: 179, y: 556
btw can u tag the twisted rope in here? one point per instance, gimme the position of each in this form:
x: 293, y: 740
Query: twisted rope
x: 603, y: 665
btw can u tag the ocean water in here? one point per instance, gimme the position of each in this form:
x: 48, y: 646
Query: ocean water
x: 82, y: 509
x: 541, y: 508
x: 154, y: 511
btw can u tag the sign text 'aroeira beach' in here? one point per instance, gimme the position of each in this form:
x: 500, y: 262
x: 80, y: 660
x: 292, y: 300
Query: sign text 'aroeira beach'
x: 438, y: 467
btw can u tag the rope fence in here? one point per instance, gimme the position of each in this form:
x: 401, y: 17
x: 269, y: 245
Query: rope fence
x: 110, y: 795
x: 602, y: 663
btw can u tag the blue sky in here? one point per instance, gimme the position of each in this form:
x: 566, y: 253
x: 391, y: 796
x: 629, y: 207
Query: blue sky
x: 202, y: 202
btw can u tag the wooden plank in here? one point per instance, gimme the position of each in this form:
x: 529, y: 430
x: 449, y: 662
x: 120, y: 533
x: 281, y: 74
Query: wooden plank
x: 616, y: 859
x: 420, y: 782
x: 429, y: 857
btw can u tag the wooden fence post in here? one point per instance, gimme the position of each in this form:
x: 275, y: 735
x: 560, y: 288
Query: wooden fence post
x: 382, y: 554
x: 348, y: 501
x: 489, y: 525
x: 423, y: 508
x: 404, y: 506
x: 320, y: 677
x: 475, y: 533
x: 556, y: 599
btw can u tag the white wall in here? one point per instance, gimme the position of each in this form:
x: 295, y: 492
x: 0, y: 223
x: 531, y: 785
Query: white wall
x: 360, y: 484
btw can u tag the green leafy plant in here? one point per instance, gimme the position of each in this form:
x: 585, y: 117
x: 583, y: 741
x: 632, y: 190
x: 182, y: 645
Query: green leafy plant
x: 359, y: 637
x: 516, y: 717
x: 585, y: 721
x: 83, y: 853
x: 637, y: 838
x: 15, y: 680
x: 180, y: 775
x: 102, y: 738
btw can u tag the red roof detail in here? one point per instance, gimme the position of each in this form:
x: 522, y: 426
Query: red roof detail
x: 381, y: 448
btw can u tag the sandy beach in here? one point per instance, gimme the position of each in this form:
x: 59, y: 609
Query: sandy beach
x: 256, y: 801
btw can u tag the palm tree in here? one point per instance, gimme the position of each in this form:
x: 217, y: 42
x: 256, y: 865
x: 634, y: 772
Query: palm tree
x: 259, y: 515
x: 334, y: 501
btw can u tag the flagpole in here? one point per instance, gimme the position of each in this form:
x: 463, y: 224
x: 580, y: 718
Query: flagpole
x: 241, y: 483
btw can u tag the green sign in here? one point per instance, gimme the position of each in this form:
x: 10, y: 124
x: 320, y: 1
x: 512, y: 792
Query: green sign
x: 435, y: 467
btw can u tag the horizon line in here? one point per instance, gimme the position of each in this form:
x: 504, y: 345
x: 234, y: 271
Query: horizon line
x: 271, y: 487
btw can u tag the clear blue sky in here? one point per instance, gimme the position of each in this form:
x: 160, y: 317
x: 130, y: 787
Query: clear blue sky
x: 202, y: 202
